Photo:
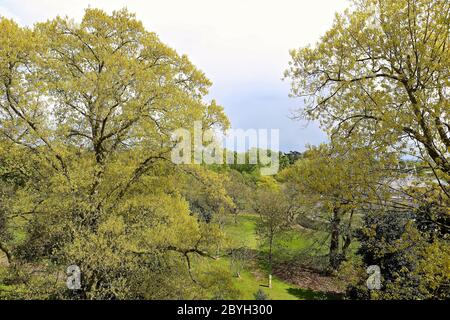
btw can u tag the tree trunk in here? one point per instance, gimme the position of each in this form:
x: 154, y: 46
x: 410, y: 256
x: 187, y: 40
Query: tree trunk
x: 334, y: 257
x: 348, y: 237
x: 270, y: 253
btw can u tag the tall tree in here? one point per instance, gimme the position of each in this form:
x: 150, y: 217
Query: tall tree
x: 331, y: 188
x: 95, y: 103
x: 380, y: 78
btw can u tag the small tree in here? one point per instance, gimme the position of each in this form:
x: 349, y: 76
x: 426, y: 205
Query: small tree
x: 239, y: 188
x: 239, y: 258
x: 274, y: 211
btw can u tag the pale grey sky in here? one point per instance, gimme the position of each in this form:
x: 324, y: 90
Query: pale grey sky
x: 241, y: 45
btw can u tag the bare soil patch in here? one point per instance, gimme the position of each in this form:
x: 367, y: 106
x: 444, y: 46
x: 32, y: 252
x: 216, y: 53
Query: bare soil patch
x: 302, y: 277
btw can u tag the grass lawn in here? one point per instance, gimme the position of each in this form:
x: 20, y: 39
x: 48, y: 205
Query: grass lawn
x: 248, y: 284
x: 242, y: 233
x: 255, y: 277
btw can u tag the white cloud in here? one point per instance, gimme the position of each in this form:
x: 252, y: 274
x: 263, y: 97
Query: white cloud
x: 231, y: 40
x: 4, y: 12
x: 237, y: 43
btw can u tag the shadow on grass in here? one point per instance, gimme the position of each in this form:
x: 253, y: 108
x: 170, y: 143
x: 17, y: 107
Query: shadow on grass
x: 306, y: 294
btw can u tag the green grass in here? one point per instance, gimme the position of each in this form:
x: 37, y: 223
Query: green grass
x: 255, y: 276
x: 251, y: 280
x: 280, y: 290
x: 242, y: 233
x: 289, y: 244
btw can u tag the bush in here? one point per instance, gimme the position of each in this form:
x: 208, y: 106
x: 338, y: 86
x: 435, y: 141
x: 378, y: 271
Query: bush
x: 261, y: 295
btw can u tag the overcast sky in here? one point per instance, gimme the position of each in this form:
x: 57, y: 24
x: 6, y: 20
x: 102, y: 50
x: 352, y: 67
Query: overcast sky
x: 241, y: 45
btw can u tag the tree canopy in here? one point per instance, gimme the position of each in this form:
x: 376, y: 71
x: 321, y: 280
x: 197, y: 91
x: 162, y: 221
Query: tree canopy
x: 380, y: 78
x: 93, y: 105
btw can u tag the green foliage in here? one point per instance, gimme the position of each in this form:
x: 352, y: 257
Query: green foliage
x: 207, y: 192
x: 274, y: 214
x: 241, y: 189
x: 86, y: 115
x: 413, y: 258
x: 87, y: 112
x: 378, y: 82
x: 379, y: 79
x: 328, y: 188
x: 239, y: 259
